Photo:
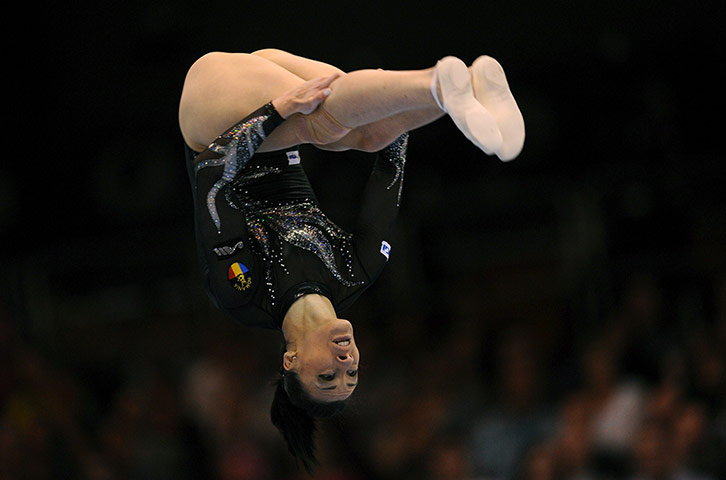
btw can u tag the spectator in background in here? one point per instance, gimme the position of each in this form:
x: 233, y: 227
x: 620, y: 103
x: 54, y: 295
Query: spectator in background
x: 518, y: 417
x: 657, y: 454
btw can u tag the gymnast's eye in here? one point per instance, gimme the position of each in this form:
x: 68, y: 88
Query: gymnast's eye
x: 326, y: 377
x: 352, y: 373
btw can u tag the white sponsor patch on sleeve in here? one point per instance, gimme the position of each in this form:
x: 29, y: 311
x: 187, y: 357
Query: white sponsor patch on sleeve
x: 385, y: 249
x: 293, y: 158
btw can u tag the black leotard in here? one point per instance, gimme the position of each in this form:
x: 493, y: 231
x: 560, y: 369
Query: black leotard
x: 262, y: 240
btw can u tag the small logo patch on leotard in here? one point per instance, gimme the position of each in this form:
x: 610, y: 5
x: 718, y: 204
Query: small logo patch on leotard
x: 227, y: 250
x: 385, y: 249
x: 237, y: 278
x: 293, y: 158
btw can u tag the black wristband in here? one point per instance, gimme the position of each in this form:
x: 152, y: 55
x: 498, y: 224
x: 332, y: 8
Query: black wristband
x: 274, y: 119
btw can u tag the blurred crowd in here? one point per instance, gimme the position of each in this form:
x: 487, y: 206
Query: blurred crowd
x: 560, y: 318
x: 450, y: 397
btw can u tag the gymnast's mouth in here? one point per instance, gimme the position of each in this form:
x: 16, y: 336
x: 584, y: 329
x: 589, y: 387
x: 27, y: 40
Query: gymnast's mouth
x: 342, y: 341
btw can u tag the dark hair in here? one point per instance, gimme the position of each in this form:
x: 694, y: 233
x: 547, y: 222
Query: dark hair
x: 294, y: 414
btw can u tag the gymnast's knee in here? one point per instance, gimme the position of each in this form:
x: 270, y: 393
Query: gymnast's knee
x: 320, y: 128
x: 375, y: 137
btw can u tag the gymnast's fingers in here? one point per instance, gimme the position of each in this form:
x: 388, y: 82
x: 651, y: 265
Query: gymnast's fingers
x: 326, y: 81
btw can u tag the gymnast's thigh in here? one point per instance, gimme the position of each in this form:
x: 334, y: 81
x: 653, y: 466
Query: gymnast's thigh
x: 222, y: 88
x: 304, y: 68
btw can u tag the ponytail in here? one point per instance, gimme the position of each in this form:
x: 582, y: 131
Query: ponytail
x: 294, y: 414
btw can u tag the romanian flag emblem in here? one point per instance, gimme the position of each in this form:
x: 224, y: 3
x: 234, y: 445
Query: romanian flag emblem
x: 236, y: 276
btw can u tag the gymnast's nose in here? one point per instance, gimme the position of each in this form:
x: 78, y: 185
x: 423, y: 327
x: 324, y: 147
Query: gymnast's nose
x: 346, y: 359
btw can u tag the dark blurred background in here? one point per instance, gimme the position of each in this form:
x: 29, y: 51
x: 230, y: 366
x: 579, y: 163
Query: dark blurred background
x: 560, y: 316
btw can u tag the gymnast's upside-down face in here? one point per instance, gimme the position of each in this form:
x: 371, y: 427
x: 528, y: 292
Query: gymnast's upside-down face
x: 327, y: 361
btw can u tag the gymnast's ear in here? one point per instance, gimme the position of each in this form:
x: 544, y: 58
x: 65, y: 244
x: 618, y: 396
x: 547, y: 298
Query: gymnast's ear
x: 288, y: 360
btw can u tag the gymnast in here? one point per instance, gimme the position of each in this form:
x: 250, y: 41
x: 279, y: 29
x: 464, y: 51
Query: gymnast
x: 269, y: 256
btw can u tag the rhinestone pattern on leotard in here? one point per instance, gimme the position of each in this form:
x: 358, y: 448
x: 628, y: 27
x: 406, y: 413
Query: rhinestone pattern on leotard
x: 300, y: 223
x: 245, y: 138
x: 396, y: 154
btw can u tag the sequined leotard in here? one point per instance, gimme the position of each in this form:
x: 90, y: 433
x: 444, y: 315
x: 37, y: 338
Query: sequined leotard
x: 262, y: 239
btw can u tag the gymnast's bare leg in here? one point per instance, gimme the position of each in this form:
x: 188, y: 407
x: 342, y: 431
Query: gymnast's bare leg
x: 371, y: 137
x: 242, y: 82
x: 222, y: 87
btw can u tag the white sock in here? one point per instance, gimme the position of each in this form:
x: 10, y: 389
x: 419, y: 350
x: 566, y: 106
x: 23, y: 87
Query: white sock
x: 457, y: 99
x: 492, y: 90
